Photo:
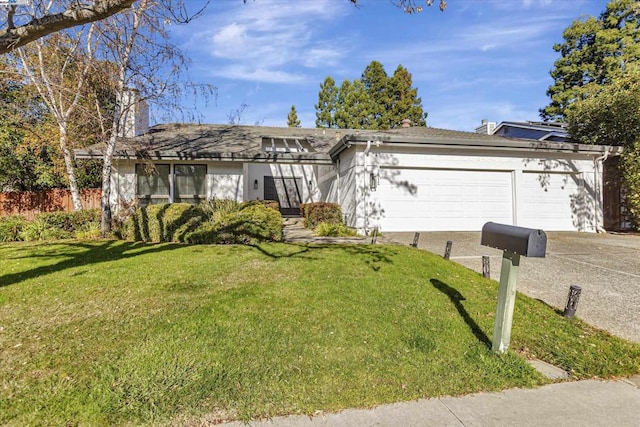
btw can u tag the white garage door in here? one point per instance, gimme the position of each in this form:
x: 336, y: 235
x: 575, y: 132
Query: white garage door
x: 551, y: 201
x: 431, y: 200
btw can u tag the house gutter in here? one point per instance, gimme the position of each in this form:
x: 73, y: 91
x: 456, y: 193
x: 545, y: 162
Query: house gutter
x: 308, y: 158
x: 435, y: 142
x: 365, y: 194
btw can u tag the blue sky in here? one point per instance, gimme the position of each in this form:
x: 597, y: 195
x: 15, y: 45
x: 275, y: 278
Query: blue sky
x: 479, y: 59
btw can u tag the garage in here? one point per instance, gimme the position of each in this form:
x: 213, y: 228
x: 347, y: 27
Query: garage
x: 443, y: 199
x: 552, y: 201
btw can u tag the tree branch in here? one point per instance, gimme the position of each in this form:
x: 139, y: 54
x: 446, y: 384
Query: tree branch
x: 12, y: 38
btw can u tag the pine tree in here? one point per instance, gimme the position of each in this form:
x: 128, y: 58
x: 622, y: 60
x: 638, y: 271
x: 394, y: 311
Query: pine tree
x: 405, y: 103
x: 594, y: 52
x: 376, y: 101
x: 292, y: 118
x: 352, y: 105
x: 326, y: 106
x: 376, y: 85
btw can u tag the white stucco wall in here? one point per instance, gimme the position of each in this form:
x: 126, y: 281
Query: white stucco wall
x: 224, y: 181
x: 526, y: 169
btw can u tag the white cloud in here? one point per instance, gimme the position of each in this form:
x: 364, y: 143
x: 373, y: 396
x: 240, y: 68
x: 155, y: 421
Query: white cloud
x: 267, y: 40
x: 488, y: 47
x: 257, y: 74
x: 322, y: 57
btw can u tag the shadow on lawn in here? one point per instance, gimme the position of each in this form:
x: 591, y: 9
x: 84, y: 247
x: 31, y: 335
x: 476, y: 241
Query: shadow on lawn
x: 94, y: 254
x: 373, y: 256
x: 455, y: 298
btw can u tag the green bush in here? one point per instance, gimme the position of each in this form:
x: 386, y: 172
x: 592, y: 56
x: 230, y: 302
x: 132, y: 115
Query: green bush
x: 334, y: 230
x: 50, y: 226
x: 315, y: 213
x: 272, y: 204
x: 41, y: 229
x: 165, y: 222
x: 254, y: 223
x: 215, y: 207
x: 11, y: 227
x: 89, y: 231
x: 70, y: 221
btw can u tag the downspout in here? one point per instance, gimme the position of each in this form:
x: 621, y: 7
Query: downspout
x: 364, y: 188
x: 598, y: 180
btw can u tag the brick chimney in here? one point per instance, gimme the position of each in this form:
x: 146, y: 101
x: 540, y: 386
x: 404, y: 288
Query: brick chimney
x: 406, y: 123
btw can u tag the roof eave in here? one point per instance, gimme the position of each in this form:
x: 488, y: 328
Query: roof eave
x: 493, y: 143
x: 317, y: 158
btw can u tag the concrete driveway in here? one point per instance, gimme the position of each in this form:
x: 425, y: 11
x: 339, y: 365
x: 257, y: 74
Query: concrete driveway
x: 606, y: 266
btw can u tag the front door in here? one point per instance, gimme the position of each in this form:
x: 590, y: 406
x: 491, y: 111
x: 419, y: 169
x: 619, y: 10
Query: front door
x: 286, y: 191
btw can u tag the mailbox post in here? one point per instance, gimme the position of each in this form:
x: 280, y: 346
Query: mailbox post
x: 515, y: 242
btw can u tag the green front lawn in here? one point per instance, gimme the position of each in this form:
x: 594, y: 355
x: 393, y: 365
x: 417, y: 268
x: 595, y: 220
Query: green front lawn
x: 115, y: 332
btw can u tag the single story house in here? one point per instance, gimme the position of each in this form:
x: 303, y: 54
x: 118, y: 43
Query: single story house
x: 405, y: 179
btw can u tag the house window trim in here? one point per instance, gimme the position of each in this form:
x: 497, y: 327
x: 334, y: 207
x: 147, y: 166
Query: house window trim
x: 199, y: 197
x: 150, y: 197
x: 172, y: 186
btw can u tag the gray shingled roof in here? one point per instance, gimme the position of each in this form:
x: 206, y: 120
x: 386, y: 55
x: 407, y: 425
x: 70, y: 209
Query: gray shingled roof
x: 230, y: 142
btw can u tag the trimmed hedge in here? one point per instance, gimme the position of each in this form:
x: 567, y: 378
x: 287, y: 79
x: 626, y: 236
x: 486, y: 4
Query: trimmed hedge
x: 163, y: 223
x: 315, y: 213
x: 217, y: 222
x: 254, y: 223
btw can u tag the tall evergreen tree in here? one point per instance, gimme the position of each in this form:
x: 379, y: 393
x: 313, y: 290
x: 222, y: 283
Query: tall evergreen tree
x: 326, y: 106
x: 292, y: 118
x: 376, y: 101
x: 376, y: 84
x: 595, y: 51
x: 405, y: 103
x: 352, y: 106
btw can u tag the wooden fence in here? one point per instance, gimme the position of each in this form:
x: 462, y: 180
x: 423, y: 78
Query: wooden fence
x: 31, y: 203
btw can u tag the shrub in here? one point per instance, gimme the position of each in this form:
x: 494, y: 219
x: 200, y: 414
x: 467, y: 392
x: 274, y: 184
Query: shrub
x: 252, y: 224
x: 272, y: 204
x: 89, y: 231
x: 165, y: 222
x: 334, y: 230
x: 216, y: 207
x: 315, y: 213
x: 11, y: 227
x: 69, y: 221
x: 41, y: 229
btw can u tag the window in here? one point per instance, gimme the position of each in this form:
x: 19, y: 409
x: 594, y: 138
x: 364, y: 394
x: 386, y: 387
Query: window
x: 190, y: 183
x: 166, y: 183
x: 152, y: 184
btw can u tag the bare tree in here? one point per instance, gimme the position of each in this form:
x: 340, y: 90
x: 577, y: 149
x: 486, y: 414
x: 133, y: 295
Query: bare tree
x: 23, y: 25
x: 137, y: 46
x: 235, y: 117
x: 57, y: 66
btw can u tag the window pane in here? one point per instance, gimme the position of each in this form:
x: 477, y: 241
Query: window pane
x: 190, y: 180
x: 152, y: 181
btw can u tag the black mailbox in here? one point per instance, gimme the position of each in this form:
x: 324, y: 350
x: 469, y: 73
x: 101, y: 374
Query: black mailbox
x: 520, y: 240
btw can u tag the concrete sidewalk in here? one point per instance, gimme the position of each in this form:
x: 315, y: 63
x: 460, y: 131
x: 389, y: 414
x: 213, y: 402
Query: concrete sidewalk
x: 581, y: 403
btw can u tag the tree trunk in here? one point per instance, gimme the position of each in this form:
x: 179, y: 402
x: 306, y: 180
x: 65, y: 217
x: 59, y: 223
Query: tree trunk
x: 105, y: 225
x: 71, y: 173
